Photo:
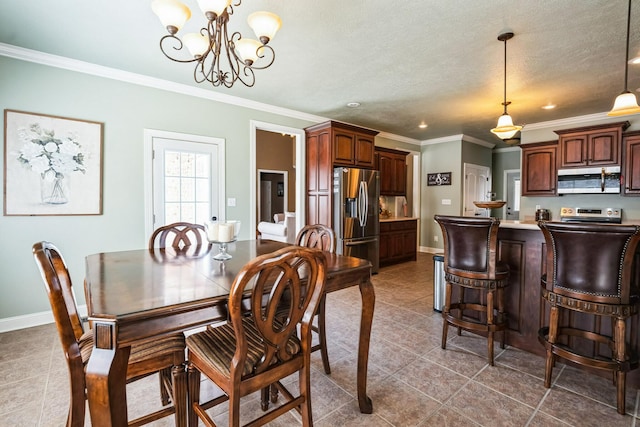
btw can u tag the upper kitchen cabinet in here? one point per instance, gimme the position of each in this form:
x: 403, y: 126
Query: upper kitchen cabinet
x: 591, y: 146
x: 332, y: 144
x: 539, y: 169
x: 631, y: 171
x: 392, y: 165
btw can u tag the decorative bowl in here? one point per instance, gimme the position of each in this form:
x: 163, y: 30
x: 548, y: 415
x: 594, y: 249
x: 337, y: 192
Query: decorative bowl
x: 490, y: 204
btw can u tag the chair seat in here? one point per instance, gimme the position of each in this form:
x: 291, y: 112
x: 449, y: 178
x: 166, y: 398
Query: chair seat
x: 217, y: 345
x: 140, y: 352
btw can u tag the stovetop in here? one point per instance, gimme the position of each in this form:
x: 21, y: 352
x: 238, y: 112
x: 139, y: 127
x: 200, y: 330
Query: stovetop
x: 613, y: 215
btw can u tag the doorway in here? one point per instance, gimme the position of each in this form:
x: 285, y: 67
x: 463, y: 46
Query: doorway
x: 477, y: 187
x: 272, y: 193
x: 512, y: 191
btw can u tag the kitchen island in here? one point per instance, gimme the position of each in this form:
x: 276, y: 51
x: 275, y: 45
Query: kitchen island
x: 521, y: 245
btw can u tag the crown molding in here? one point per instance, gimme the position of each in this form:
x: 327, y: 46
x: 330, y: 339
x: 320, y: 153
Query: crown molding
x: 567, y: 122
x: 455, y: 138
x: 399, y: 138
x: 506, y: 149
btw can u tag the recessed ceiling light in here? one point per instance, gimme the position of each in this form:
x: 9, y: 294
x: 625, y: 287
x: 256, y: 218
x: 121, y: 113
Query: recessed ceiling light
x: 549, y: 107
x: 423, y: 125
x: 353, y: 104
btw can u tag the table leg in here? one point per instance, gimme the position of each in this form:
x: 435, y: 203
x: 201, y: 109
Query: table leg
x: 366, y: 319
x: 106, y: 383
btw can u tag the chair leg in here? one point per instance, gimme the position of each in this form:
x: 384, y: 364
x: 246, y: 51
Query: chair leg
x: 322, y: 336
x: 304, y: 378
x: 445, y: 314
x: 264, y: 398
x: 234, y: 409
x: 553, y: 333
x: 501, y: 315
x: 180, y: 394
x: 164, y: 376
x: 75, y: 418
x: 274, y: 393
x: 620, y: 355
x: 193, y: 394
x: 490, y: 321
x: 461, y: 302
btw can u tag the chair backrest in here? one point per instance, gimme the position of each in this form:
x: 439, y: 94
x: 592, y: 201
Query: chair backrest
x: 62, y: 299
x: 317, y: 236
x: 296, y: 271
x: 182, y: 236
x: 592, y: 262
x: 470, y: 244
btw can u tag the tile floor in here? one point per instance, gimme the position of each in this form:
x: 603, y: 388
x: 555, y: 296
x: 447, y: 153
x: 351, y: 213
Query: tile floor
x: 412, y: 382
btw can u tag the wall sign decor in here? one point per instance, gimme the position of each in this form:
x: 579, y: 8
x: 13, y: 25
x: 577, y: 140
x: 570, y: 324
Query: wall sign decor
x: 52, y: 165
x: 439, y: 178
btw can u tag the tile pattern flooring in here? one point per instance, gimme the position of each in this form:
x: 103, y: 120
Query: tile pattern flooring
x: 412, y: 382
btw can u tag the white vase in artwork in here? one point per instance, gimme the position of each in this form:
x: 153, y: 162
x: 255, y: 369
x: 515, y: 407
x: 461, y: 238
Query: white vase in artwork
x: 54, y: 188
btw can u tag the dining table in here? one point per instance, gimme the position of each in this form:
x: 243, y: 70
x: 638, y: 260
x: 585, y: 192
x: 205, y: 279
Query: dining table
x: 139, y: 295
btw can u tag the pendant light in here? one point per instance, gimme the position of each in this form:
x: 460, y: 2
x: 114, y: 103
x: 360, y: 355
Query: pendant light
x: 506, y: 130
x: 626, y: 102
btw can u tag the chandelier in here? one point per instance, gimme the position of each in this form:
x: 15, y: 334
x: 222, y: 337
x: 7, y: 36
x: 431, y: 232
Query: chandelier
x: 219, y: 58
x: 506, y: 130
x: 626, y: 102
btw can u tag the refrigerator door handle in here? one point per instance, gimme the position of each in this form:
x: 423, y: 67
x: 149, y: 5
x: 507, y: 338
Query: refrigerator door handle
x: 363, y: 203
x: 360, y: 242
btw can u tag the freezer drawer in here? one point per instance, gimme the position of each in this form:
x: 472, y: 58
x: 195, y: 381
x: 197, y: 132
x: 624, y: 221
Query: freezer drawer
x: 361, y: 248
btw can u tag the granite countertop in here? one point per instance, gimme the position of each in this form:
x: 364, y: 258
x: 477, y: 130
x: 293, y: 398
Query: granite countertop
x: 398, y: 218
x: 533, y: 225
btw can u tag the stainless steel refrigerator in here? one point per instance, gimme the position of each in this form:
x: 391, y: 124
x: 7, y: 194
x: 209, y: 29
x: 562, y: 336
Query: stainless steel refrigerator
x: 356, y: 221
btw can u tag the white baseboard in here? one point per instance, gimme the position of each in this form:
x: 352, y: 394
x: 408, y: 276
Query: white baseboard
x: 30, y: 320
x: 430, y: 250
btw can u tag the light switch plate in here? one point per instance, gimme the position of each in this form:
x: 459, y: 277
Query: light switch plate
x: 231, y: 201
x: 446, y: 201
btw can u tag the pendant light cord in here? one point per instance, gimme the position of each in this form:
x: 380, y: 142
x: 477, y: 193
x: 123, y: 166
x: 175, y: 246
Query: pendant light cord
x: 505, y: 75
x: 626, y: 58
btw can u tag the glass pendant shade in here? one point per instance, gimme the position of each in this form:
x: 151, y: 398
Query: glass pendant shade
x: 171, y: 13
x: 248, y: 50
x: 505, y: 129
x: 196, y: 43
x: 215, y: 6
x: 625, y: 103
x: 265, y: 25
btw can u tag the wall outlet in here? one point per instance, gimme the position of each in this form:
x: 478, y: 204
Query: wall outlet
x: 231, y: 201
x: 435, y: 238
x: 446, y: 201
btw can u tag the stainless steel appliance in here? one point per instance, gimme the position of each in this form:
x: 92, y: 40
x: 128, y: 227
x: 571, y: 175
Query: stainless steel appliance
x: 589, y: 180
x: 611, y: 215
x: 356, y: 222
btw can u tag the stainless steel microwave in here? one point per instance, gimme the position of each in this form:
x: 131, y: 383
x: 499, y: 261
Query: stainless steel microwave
x: 595, y: 180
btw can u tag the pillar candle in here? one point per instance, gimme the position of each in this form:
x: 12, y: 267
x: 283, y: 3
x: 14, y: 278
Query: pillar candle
x: 225, y: 232
x: 212, y: 231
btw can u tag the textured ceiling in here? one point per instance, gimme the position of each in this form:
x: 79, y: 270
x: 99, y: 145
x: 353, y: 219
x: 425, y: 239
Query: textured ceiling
x: 437, y: 61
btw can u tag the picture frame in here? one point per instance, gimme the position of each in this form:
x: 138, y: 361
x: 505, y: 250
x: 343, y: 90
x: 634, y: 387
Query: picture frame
x: 52, y: 165
x: 439, y: 178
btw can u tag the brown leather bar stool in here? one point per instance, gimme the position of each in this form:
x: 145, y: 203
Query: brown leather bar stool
x: 589, y: 269
x: 470, y: 245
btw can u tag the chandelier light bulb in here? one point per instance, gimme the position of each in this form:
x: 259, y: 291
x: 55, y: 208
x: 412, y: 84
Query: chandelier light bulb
x: 505, y: 129
x: 625, y: 103
x: 265, y: 25
x: 171, y: 13
x: 196, y: 43
x: 248, y: 50
x: 215, y: 6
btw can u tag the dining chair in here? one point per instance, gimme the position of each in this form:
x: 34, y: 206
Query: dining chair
x: 185, y: 238
x: 320, y: 237
x: 257, y: 348
x: 165, y: 356
x: 590, y: 274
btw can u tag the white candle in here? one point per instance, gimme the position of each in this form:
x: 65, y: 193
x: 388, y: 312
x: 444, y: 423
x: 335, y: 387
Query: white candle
x: 212, y: 231
x: 225, y: 232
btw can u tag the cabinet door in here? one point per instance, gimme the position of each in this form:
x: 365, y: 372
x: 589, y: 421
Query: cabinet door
x: 385, y: 166
x: 573, y: 151
x: 539, y: 170
x: 344, y: 144
x: 400, y: 175
x: 632, y: 165
x: 602, y: 148
x: 364, y: 149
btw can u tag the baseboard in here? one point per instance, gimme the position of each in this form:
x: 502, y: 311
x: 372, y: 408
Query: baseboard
x: 34, y: 319
x: 430, y: 250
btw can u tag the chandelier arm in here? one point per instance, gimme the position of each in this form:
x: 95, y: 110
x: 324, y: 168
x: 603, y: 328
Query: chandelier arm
x: 176, y: 44
x: 262, y: 49
x: 237, y: 65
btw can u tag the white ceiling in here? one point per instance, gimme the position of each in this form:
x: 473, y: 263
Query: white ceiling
x: 437, y: 61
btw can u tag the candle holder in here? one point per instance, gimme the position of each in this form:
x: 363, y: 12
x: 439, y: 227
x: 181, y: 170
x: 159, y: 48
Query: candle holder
x: 221, y: 234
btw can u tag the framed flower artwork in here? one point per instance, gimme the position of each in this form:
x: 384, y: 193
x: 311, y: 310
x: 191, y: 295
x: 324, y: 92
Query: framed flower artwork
x: 52, y: 165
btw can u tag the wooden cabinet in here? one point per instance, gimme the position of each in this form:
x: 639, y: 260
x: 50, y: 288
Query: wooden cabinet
x: 398, y: 241
x: 392, y: 165
x: 332, y: 144
x: 591, y: 146
x: 539, y: 169
x: 631, y: 171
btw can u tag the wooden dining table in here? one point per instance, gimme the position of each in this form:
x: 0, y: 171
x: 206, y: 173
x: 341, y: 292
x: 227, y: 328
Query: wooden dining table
x: 139, y: 295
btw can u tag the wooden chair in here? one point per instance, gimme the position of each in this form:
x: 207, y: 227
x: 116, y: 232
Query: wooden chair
x: 470, y: 263
x: 590, y: 274
x: 256, y: 349
x: 185, y: 238
x: 319, y: 237
x: 164, y: 356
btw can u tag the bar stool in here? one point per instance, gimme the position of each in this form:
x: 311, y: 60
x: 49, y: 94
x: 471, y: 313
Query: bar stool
x: 590, y: 269
x: 470, y: 245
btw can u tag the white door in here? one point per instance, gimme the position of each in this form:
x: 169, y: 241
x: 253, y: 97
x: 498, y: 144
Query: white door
x: 186, y: 178
x: 477, y: 187
x: 512, y: 207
